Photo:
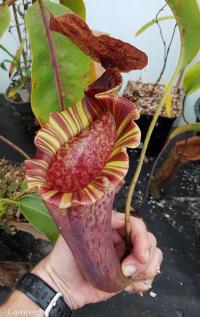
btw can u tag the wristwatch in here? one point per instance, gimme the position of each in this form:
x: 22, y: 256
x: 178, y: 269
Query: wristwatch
x: 43, y: 295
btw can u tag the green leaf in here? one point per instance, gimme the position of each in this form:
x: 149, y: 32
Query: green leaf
x: 16, y: 59
x: 191, y: 81
x: 77, y: 7
x: 4, y: 18
x: 25, y: 186
x: 6, y: 51
x: 193, y: 127
x: 4, y: 203
x: 151, y: 23
x: 187, y: 14
x: 35, y: 211
x: 58, y: 84
x: 3, y: 66
x: 15, y: 89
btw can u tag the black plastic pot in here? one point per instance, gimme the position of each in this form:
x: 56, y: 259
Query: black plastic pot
x: 23, y: 108
x: 160, y: 132
x: 13, y: 127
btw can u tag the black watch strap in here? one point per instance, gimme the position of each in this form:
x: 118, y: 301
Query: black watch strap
x: 43, y: 295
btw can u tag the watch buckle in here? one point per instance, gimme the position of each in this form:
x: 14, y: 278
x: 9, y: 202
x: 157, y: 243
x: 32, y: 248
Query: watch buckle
x: 52, y: 304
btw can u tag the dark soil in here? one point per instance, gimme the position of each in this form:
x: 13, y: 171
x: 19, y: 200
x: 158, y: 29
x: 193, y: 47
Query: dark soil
x: 147, y: 97
x: 11, y: 186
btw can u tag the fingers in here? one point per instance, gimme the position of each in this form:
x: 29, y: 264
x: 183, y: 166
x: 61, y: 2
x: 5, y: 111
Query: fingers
x: 142, y: 241
x: 143, y: 280
x: 143, y: 264
x: 144, y: 245
x: 131, y: 264
x: 139, y: 287
x: 118, y: 220
x: 139, y: 235
x: 152, y: 268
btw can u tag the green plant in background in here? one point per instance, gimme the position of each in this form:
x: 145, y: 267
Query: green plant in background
x: 77, y: 7
x: 66, y: 70
x: 35, y: 211
x: 152, y: 23
x: 20, y: 62
x: 191, y: 84
x: 65, y: 74
x: 5, y: 18
x: 190, y: 76
x: 191, y: 80
x: 166, y: 49
x: 187, y: 15
x: 14, y: 192
x: 19, y: 75
x: 80, y: 69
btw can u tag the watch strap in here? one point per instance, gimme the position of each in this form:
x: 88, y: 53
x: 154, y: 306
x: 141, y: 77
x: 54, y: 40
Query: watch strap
x: 43, y: 295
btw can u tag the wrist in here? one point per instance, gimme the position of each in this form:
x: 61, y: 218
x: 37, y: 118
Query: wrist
x: 45, y: 271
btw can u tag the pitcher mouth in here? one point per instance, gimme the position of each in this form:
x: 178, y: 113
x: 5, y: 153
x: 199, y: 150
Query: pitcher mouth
x: 118, y: 131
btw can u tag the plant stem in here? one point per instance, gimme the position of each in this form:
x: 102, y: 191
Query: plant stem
x: 5, y: 50
x: 14, y: 146
x: 27, y: 47
x: 180, y: 78
x: 19, y: 31
x: 160, y: 29
x: 166, y: 57
x: 20, y: 195
x: 143, y: 152
x: 14, y: 59
x: 52, y: 54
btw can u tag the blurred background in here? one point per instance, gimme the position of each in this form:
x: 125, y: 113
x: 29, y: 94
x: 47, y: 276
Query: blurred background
x: 122, y: 19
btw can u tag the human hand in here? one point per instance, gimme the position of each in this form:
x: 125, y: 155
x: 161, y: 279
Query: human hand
x: 60, y: 270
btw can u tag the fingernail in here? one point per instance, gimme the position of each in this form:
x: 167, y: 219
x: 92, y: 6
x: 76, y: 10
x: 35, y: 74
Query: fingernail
x: 129, y: 270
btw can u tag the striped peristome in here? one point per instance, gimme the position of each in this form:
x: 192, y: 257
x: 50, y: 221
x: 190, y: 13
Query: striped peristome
x: 69, y: 125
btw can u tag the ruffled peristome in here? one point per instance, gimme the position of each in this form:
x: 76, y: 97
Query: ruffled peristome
x: 113, y: 118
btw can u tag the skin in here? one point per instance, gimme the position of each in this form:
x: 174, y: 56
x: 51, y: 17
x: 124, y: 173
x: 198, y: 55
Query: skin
x: 60, y: 270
